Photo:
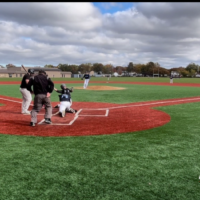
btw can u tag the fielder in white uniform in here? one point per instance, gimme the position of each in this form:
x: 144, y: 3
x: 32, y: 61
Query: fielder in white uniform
x: 171, y: 79
x: 87, y: 79
x: 26, y: 95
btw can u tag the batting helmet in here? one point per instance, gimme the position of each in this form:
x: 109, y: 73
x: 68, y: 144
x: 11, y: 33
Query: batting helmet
x: 63, y: 86
x: 31, y: 71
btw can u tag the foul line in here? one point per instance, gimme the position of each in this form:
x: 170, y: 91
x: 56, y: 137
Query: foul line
x: 145, y: 104
x: 106, y: 114
x: 107, y: 109
x: 142, y: 104
x: 20, y: 103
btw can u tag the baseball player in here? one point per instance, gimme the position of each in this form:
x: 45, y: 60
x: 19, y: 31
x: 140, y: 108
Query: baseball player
x: 87, y: 79
x: 171, y: 79
x: 65, y: 100
x: 26, y: 94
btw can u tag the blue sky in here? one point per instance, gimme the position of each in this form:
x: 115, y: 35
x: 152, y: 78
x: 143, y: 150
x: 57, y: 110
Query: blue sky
x: 112, y: 7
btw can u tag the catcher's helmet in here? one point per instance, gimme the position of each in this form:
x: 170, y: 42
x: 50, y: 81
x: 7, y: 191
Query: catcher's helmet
x: 63, y: 86
x: 31, y: 71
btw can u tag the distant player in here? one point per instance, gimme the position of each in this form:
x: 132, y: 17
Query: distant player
x: 87, y: 79
x: 109, y: 77
x: 171, y: 79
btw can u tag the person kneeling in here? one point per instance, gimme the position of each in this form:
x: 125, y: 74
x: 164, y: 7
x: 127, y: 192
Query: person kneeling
x: 65, y: 100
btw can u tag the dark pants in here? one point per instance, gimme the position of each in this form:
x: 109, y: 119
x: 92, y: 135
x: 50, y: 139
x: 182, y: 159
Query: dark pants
x: 39, y: 101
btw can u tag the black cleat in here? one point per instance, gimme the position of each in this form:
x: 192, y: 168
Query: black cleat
x: 32, y: 124
x: 74, y: 111
x: 48, y: 121
x: 56, y: 106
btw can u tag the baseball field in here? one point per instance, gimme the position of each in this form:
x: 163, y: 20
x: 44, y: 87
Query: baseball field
x: 133, y: 138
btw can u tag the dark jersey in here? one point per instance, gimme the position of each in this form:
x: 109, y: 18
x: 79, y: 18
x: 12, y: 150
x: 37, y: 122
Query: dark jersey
x: 41, y: 84
x: 23, y: 82
x: 65, y: 94
x: 86, y: 76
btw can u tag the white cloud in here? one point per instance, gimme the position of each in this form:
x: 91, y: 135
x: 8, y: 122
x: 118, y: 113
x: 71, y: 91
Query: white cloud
x: 74, y: 33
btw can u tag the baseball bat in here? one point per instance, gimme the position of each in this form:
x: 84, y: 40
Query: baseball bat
x: 24, y: 68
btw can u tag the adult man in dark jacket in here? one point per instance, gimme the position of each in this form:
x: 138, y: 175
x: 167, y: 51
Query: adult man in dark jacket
x: 42, y: 89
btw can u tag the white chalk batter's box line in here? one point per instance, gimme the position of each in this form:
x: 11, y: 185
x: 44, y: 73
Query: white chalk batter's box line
x: 107, y: 109
x: 72, y: 121
x: 127, y: 106
x: 77, y: 115
x: 106, y: 112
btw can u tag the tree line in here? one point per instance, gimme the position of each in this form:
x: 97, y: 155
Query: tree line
x: 148, y: 69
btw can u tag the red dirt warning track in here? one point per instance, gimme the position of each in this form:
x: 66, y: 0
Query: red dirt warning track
x: 91, y: 118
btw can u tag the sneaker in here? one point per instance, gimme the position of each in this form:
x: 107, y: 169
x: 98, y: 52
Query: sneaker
x: 73, y: 111
x: 26, y: 112
x: 63, y: 113
x: 48, y: 121
x: 32, y: 124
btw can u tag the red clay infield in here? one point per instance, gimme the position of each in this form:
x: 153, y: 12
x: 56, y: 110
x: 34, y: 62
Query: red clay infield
x: 91, y: 118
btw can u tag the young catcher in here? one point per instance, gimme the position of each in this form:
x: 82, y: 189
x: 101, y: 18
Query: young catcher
x: 65, y: 100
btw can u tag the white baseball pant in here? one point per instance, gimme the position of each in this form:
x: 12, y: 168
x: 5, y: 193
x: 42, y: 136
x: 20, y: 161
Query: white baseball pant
x: 86, y: 83
x: 64, y: 105
x: 26, y: 99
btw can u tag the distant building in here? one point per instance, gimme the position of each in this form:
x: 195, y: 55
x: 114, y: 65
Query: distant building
x: 175, y: 74
x: 19, y: 72
x: 116, y: 74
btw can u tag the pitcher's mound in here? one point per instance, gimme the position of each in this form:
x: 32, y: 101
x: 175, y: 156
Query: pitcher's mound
x: 101, y: 88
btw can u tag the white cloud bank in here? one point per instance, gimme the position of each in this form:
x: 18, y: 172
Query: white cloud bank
x: 73, y: 33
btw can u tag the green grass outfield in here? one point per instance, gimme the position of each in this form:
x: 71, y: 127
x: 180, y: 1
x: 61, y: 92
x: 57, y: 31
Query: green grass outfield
x: 121, y: 79
x: 157, y: 164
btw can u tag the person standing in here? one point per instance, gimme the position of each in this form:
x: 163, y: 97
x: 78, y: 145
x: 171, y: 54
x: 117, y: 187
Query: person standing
x: 26, y: 94
x: 171, y: 79
x: 87, y: 79
x: 42, y: 89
